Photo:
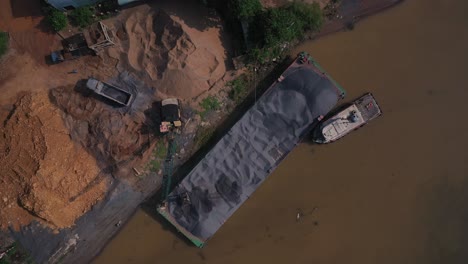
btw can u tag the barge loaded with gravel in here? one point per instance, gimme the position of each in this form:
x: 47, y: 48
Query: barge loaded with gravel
x: 236, y: 166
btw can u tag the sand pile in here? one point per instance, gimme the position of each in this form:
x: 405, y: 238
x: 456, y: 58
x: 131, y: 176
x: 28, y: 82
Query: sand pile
x: 43, y: 173
x: 167, y: 54
x: 116, y: 138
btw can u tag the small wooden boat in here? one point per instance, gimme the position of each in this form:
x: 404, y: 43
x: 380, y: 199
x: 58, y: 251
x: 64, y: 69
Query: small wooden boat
x: 352, y: 117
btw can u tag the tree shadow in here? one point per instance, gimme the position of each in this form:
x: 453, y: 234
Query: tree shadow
x: 26, y: 8
x: 45, y: 27
x: 152, y: 119
x: 198, y: 17
x: 193, y: 13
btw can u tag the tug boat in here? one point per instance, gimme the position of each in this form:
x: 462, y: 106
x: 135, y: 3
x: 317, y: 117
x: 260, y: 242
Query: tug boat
x: 352, y: 117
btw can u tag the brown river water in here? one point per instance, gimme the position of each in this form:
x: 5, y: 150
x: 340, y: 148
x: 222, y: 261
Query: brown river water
x: 393, y: 192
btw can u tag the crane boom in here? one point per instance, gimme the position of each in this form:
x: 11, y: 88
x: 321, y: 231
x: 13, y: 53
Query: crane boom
x: 168, y: 165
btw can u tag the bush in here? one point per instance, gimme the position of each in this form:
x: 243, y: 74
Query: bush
x: 82, y: 16
x: 276, y: 26
x: 159, y: 154
x: 284, y: 24
x: 3, y: 43
x: 16, y: 254
x: 208, y: 104
x: 238, y: 88
x: 280, y: 25
x: 309, y: 14
x: 245, y: 9
x: 203, y: 135
x: 58, y: 20
x: 264, y: 55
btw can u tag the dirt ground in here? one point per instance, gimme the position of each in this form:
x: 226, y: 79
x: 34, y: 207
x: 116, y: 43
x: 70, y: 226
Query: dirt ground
x: 42, y: 168
x: 24, y: 21
x: 40, y: 180
x: 64, y: 151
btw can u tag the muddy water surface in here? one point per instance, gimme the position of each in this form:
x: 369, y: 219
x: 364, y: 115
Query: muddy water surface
x: 393, y: 192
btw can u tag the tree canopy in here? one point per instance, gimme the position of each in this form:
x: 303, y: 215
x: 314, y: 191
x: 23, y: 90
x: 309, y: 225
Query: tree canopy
x: 275, y: 26
x: 58, y: 20
x: 245, y: 9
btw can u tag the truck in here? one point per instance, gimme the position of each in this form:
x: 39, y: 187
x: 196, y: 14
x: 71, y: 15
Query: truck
x: 92, y: 41
x: 111, y: 92
x: 170, y: 115
x: 63, y: 55
x: 73, y: 48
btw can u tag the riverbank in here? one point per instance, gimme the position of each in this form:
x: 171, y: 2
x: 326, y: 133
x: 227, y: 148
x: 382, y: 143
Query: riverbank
x: 41, y: 102
x: 381, y: 195
x: 93, y: 230
x: 266, y: 75
x: 350, y: 12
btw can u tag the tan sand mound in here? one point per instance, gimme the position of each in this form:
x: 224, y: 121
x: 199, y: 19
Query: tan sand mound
x: 43, y: 173
x: 169, y: 55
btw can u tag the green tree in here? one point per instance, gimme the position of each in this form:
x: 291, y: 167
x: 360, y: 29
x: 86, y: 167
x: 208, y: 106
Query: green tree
x: 82, y: 16
x: 3, y: 43
x: 310, y: 15
x: 245, y: 9
x: 208, y: 104
x: 58, y: 20
x: 276, y: 26
x: 238, y: 88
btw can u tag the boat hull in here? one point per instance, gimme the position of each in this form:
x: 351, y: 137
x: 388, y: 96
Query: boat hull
x: 338, y: 125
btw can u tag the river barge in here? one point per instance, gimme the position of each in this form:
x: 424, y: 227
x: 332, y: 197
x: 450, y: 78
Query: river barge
x: 352, y: 117
x: 249, y: 152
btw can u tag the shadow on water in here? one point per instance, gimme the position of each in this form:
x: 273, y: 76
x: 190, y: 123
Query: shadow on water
x: 150, y: 205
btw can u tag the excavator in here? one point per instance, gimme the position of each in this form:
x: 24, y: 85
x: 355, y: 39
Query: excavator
x: 168, y: 165
x: 167, y: 174
x: 170, y: 125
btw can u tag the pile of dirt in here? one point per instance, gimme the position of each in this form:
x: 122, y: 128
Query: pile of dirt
x: 44, y: 174
x: 168, y: 55
x: 118, y: 138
